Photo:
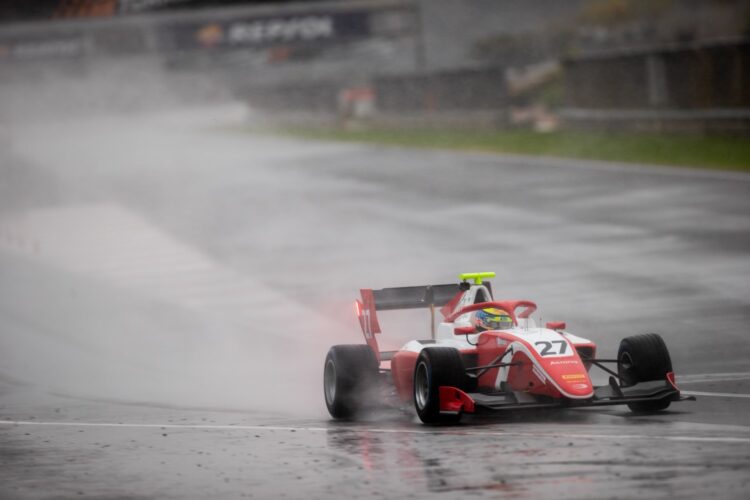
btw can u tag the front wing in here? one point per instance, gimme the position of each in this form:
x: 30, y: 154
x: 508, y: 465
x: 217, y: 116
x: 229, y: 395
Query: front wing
x: 453, y: 400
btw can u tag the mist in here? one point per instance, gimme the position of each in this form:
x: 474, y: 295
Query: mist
x: 153, y: 253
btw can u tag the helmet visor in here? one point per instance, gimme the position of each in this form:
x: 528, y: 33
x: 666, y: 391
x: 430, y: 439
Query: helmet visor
x: 494, y: 319
x: 498, y: 322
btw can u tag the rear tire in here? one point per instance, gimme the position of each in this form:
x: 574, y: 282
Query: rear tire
x: 642, y: 358
x: 350, y: 376
x: 436, y: 366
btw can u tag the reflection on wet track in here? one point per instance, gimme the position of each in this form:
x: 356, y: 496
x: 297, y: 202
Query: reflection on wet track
x: 568, y: 454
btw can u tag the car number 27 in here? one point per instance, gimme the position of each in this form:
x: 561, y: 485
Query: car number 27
x: 551, y: 347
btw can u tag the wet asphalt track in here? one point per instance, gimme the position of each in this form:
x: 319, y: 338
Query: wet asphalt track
x: 170, y: 285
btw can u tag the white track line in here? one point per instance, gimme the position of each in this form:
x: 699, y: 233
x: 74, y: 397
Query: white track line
x: 455, y: 431
x: 715, y: 394
x: 712, y: 377
x: 598, y: 165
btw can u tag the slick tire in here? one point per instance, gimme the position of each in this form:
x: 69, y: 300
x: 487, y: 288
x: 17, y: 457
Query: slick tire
x: 350, y: 376
x: 436, y: 366
x: 642, y: 358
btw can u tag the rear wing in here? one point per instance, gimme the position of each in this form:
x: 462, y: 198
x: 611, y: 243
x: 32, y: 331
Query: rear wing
x: 414, y: 297
x: 406, y: 297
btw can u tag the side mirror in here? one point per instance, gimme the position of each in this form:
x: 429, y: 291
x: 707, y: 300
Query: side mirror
x: 556, y: 325
x: 464, y: 330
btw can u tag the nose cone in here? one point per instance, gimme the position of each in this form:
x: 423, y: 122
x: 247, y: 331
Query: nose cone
x: 571, y: 376
x: 577, y: 385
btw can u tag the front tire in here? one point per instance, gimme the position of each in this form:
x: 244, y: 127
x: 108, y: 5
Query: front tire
x: 642, y: 358
x: 436, y: 366
x: 350, y: 376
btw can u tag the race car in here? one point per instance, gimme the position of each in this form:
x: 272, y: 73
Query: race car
x: 485, y: 357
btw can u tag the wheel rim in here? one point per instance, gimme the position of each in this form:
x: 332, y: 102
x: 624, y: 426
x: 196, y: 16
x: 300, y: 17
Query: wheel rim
x: 329, y: 381
x: 421, y: 386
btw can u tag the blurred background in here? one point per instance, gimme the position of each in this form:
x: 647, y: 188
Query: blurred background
x: 666, y: 65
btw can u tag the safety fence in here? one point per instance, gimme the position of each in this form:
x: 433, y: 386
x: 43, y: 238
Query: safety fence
x: 700, y: 86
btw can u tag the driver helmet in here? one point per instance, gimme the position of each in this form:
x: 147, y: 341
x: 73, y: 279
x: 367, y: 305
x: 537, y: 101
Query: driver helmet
x: 492, y: 318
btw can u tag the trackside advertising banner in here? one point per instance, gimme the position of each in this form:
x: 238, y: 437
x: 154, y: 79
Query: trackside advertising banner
x: 265, y: 31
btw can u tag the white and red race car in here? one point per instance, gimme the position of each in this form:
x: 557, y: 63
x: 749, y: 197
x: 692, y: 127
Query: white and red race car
x: 462, y: 370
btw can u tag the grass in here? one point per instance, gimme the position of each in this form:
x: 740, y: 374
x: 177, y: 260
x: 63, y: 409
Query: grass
x: 721, y: 153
